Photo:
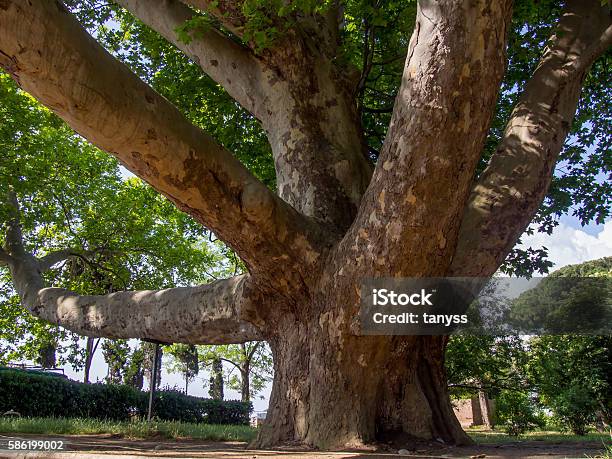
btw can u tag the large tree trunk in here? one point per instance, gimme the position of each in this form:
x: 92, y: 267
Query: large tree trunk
x: 340, y: 390
x: 334, y: 221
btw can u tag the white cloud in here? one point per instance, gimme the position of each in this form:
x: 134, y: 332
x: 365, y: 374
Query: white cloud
x: 567, y: 245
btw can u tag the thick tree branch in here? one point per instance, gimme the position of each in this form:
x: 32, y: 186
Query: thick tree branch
x: 46, y: 262
x: 205, y: 314
x: 409, y: 217
x: 309, y: 115
x: 228, y: 63
x: 508, y: 193
x: 227, y: 12
x: 50, y: 55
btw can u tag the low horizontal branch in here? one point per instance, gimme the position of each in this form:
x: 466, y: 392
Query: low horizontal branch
x: 204, y: 314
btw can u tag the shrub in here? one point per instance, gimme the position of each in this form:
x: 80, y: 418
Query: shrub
x: 174, y: 405
x: 574, y: 408
x: 226, y: 412
x: 38, y: 394
x: 516, y: 412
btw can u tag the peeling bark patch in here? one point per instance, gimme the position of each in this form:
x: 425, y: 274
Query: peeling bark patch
x: 410, y: 197
x: 256, y: 204
x: 9, y: 63
x: 151, y: 134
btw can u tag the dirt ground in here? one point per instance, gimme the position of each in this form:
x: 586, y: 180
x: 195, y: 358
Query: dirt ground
x: 109, y: 447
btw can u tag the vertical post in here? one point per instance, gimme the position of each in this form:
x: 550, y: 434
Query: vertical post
x: 485, y: 409
x: 153, y: 381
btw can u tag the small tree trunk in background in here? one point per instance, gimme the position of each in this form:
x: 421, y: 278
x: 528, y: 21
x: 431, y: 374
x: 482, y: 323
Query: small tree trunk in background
x: 159, y: 367
x: 148, y: 362
x: 485, y: 410
x: 46, y: 356
x: 245, y: 383
x: 90, y: 350
x: 88, y: 355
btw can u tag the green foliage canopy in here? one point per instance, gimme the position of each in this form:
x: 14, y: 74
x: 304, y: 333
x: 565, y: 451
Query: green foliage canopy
x: 72, y: 195
x: 372, y: 43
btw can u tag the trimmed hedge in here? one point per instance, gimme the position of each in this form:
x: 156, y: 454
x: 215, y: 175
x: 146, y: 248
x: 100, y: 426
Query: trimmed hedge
x: 43, y: 395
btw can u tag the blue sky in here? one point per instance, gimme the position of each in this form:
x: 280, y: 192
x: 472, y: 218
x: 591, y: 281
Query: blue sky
x: 572, y: 243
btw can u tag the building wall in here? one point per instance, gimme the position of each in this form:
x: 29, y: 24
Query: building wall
x: 468, y: 411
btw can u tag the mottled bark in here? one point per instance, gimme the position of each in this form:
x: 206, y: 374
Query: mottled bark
x: 319, y: 152
x: 445, y: 104
x: 309, y: 116
x: 508, y: 193
x: 331, y: 225
x: 51, y: 56
x: 334, y: 390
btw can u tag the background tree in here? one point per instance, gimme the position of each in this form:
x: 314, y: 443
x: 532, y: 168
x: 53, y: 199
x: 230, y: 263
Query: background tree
x: 148, y: 356
x: 449, y: 191
x: 518, y: 411
x: 134, y: 373
x: 250, y: 365
x: 575, y: 298
x: 184, y: 361
x: 215, y: 387
x: 116, y: 354
x: 572, y: 374
x: 573, y: 377
x: 568, y: 375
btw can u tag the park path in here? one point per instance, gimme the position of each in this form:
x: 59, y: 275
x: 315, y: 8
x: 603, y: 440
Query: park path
x: 113, y: 447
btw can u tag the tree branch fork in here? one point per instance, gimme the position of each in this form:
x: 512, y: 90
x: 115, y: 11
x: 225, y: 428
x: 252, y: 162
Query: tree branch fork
x: 286, y: 249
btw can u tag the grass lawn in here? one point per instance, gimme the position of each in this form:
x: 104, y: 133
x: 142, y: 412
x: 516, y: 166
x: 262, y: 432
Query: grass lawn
x: 481, y: 436
x: 213, y: 432
x: 127, y: 429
